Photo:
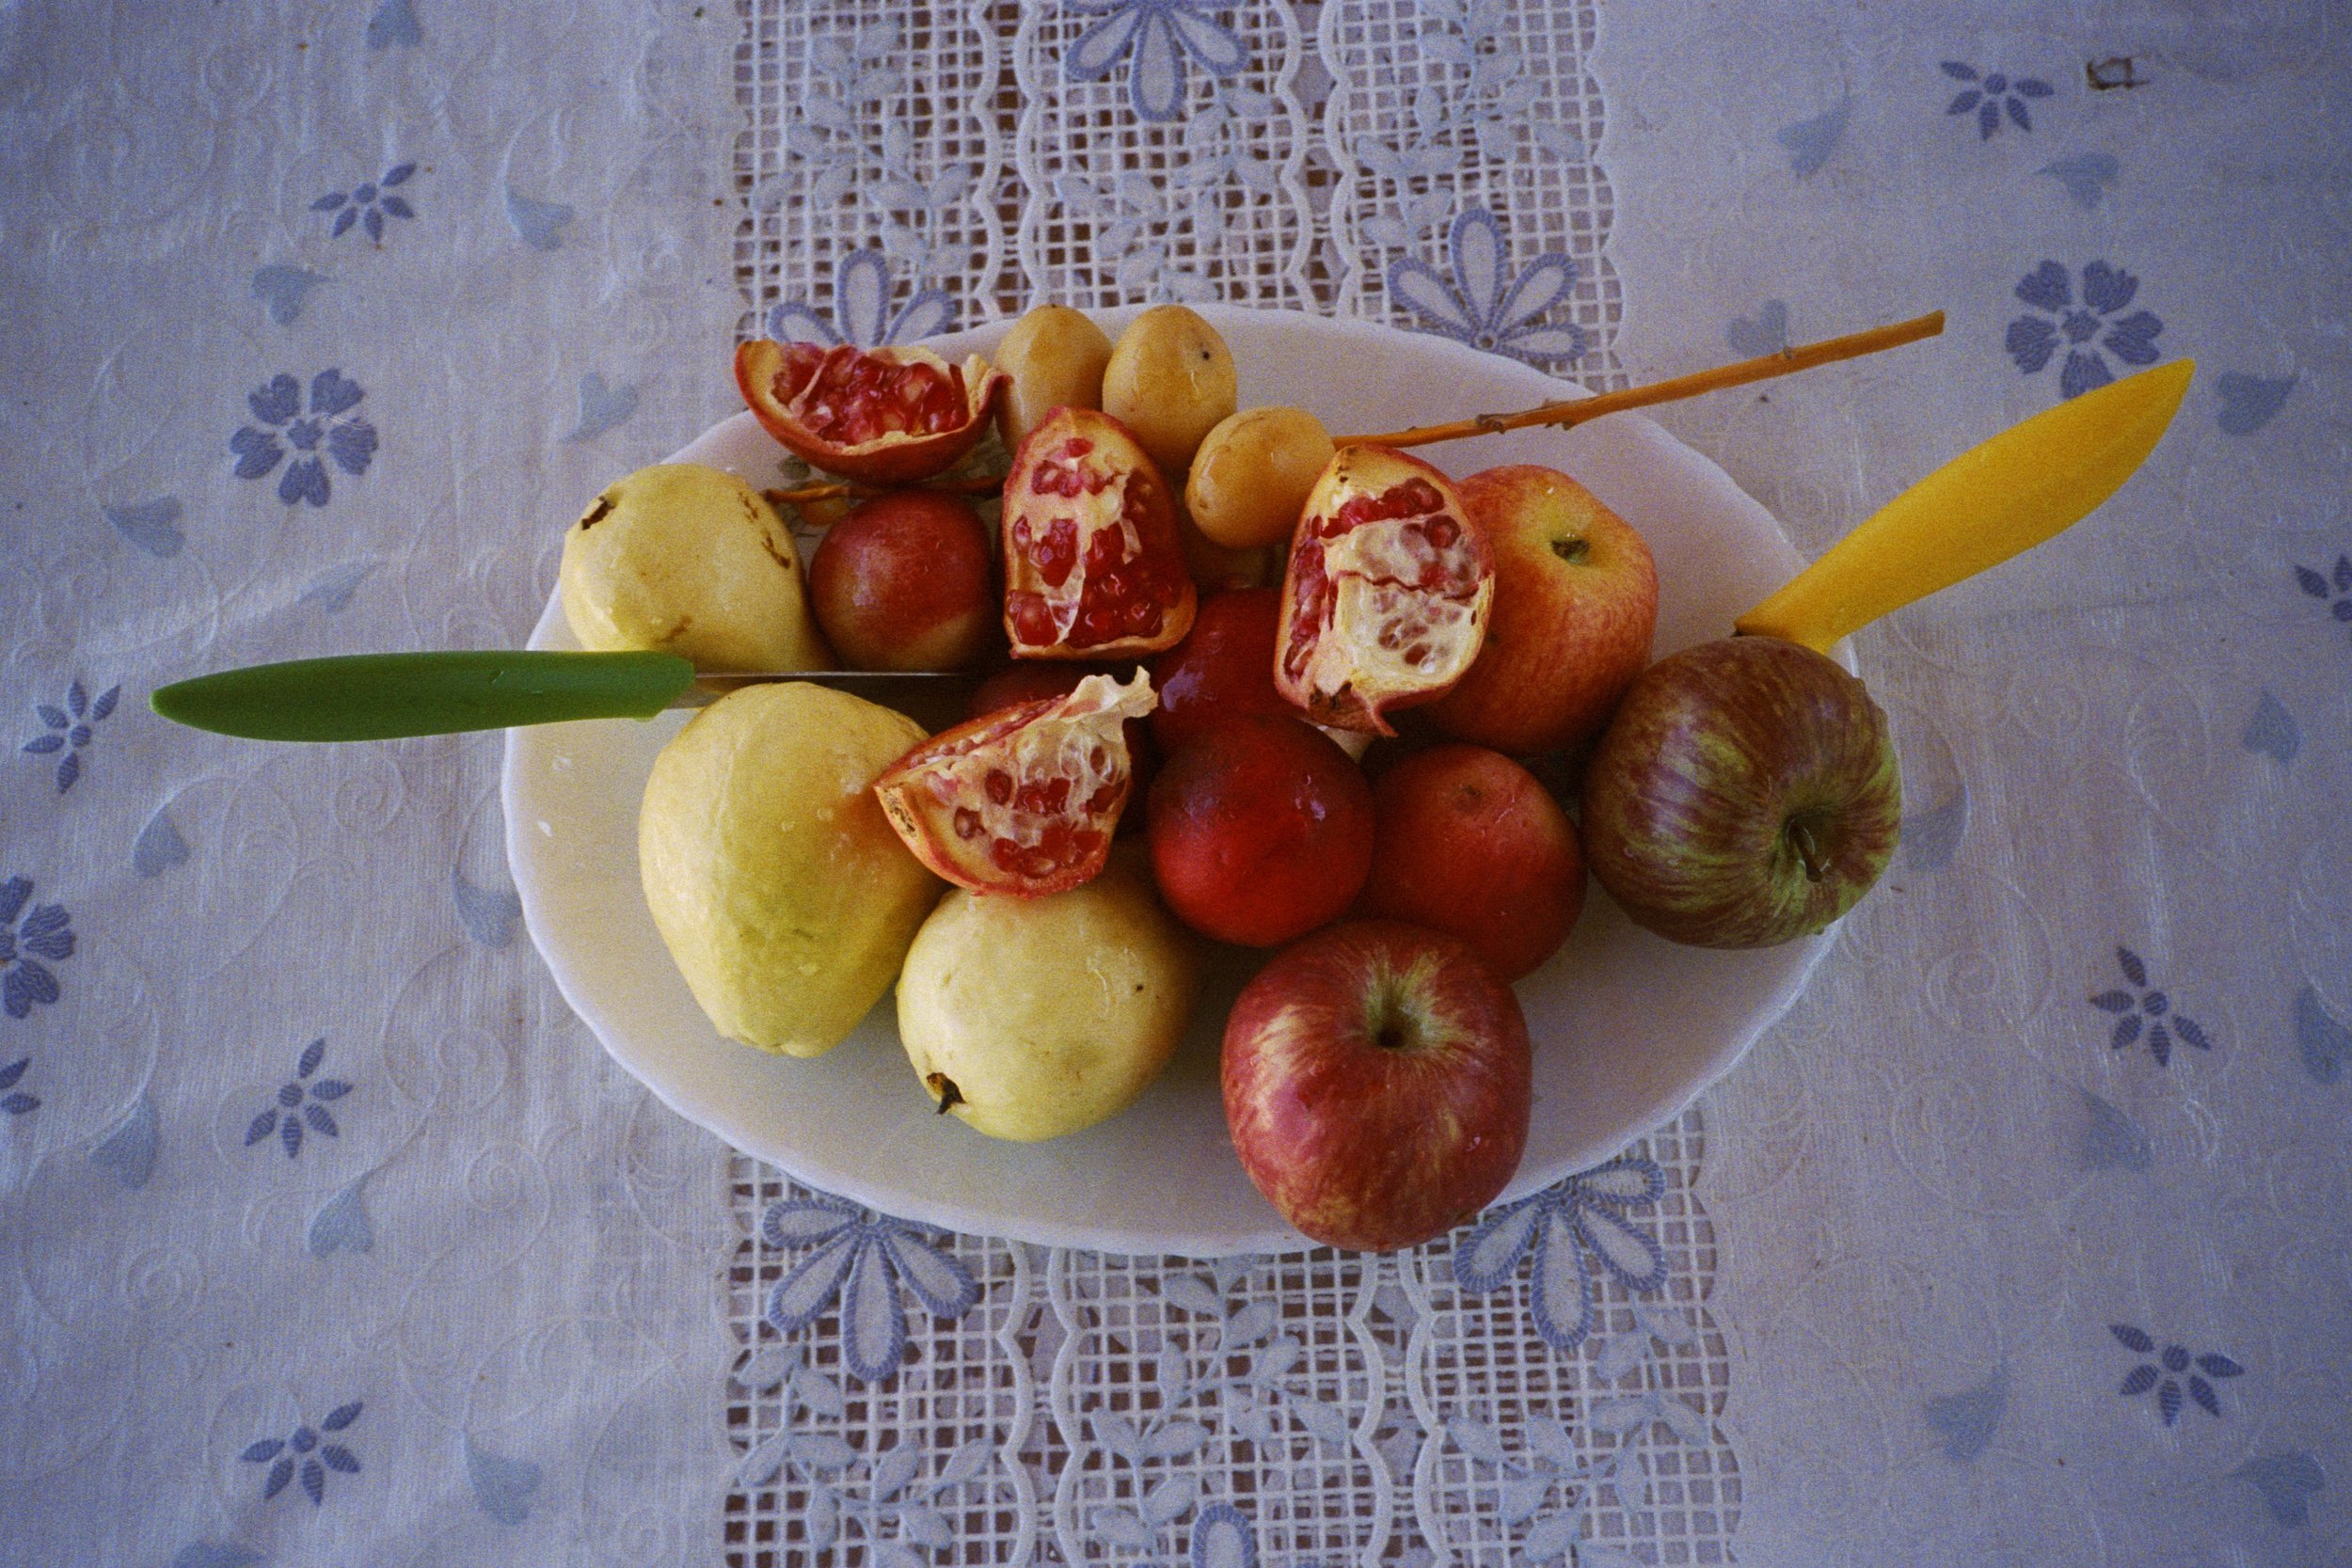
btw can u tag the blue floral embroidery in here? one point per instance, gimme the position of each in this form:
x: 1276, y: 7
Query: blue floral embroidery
x: 305, y: 1452
x: 1988, y: 95
x: 17, y: 1101
x: 861, y: 310
x: 349, y: 439
x: 1482, y: 306
x: 1556, y: 1228
x: 47, y: 932
x: 70, y: 728
x: 2334, y: 591
x: 864, y: 1260
x: 2146, y: 1012
x: 299, y: 1095
x: 2164, y: 1373
x: 369, y: 204
x: 1160, y: 35
x: 2107, y: 289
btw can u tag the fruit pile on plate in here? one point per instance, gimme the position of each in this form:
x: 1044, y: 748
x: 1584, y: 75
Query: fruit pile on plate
x: 1241, y: 685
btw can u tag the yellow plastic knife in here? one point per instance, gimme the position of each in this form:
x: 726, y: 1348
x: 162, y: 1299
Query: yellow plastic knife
x: 2031, y: 482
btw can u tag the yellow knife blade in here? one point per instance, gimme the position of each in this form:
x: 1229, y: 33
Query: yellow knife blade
x: 2029, y: 482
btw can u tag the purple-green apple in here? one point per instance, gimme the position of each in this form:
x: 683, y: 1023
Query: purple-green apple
x: 1576, y: 600
x: 1377, y: 1079
x: 1745, y: 793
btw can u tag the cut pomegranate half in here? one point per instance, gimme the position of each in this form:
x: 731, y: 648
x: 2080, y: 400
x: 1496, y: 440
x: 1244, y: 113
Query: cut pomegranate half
x: 881, y: 415
x: 1093, y: 566
x: 1023, y: 799
x: 1385, y: 597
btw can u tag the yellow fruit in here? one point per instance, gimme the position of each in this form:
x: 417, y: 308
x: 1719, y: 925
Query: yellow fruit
x: 776, y: 883
x: 1030, y: 1017
x: 1055, y: 358
x: 685, y: 559
x: 1169, y: 380
x: 1252, y: 476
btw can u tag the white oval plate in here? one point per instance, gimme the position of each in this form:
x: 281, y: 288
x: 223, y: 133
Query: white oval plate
x: 1627, y: 1028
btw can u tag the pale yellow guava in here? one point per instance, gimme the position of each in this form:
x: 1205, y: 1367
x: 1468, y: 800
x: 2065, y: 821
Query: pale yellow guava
x: 681, y: 559
x: 1034, y: 1017
x: 783, y: 895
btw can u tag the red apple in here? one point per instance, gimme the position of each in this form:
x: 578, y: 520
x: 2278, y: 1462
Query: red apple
x: 903, y: 582
x: 1467, y: 841
x: 1260, y: 830
x: 1377, y: 1080
x: 1746, y: 793
x: 1223, y: 667
x: 1026, y: 680
x: 1576, y: 600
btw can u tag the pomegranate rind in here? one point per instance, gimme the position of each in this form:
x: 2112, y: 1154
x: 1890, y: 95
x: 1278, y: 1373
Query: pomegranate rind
x: 1085, y: 506
x: 1384, y: 612
x: 763, y: 367
x: 1024, y: 799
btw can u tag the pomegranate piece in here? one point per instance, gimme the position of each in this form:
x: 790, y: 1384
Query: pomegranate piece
x: 881, y: 416
x: 1093, y: 566
x: 1025, y: 682
x: 1387, y: 593
x: 1024, y: 799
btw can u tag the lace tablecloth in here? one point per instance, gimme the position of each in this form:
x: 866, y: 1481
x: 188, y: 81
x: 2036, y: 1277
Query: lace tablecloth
x: 327, y: 1234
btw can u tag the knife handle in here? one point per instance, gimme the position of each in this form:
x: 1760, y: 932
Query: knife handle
x: 388, y: 696
x: 2027, y: 485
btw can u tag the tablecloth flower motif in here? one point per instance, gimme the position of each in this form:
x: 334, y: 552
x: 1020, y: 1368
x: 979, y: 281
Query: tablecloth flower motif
x: 852, y: 133
x: 1485, y: 307
x: 1156, y: 38
x: 2144, y: 1011
x: 17, y: 1101
x: 2083, y: 330
x: 367, y: 204
x: 863, y: 1260
x: 305, y: 1452
x: 1990, y: 93
x: 2334, y: 590
x: 300, y: 1104
x: 1556, y: 1227
x: 45, y: 932
x: 2164, y: 1375
x: 862, y: 314
x: 347, y: 438
x: 70, y: 728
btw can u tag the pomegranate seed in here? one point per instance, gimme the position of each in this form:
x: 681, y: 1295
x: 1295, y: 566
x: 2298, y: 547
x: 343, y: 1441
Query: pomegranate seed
x: 999, y: 785
x: 967, y: 822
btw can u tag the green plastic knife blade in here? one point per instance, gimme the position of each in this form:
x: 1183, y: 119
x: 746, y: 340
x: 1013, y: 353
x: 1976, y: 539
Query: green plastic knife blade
x: 388, y: 696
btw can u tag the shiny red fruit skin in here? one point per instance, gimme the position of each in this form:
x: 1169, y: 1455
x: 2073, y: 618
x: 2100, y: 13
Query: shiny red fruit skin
x: 1030, y: 679
x: 906, y: 581
x: 1224, y: 667
x: 1468, y: 842
x: 1094, y: 567
x: 1366, y: 1144
x: 775, y: 379
x: 1260, y: 830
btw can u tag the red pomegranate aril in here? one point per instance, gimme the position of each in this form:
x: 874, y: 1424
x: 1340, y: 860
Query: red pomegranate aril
x: 886, y: 416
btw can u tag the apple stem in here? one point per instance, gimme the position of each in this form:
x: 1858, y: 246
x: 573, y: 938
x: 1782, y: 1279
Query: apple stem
x: 1574, y: 411
x: 1799, y: 834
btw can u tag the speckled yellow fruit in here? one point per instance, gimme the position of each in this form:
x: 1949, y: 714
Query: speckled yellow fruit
x: 686, y: 560
x: 775, y: 880
x: 1054, y: 358
x: 1034, y: 1017
x: 1169, y: 380
x: 1252, y: 475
